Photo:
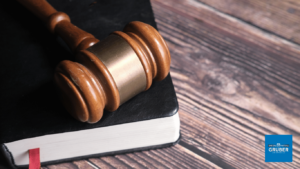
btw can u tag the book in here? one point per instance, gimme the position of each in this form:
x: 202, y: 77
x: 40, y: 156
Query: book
x: 30, y: 111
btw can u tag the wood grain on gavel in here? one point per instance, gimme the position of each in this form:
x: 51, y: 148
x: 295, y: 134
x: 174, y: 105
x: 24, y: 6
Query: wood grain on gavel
x: 108, y: 73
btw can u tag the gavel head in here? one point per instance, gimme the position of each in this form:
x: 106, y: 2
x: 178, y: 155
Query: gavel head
x: 112, y: 71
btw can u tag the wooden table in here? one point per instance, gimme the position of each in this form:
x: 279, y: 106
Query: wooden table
x: 236, y: 71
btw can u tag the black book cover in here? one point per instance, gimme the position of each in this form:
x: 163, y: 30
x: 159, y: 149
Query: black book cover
x: 29, y: 106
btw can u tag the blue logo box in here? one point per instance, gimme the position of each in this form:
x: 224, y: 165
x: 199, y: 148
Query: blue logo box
x: 278, y: 148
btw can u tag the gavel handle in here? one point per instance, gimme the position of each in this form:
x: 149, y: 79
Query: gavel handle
x: 60, y: 24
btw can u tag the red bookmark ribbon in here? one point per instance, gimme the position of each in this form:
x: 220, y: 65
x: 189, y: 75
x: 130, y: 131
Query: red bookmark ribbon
x: 34, y: 158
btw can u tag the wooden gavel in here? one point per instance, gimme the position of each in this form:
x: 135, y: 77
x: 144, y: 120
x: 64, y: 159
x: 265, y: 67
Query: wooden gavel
x: 107, y: 73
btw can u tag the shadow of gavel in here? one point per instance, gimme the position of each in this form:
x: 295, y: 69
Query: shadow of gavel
x: 107, y: 73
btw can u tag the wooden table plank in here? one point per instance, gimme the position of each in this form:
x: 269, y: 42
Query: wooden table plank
x: 171, y: 157
x: 232, y: 67
x: 234, y: 84
x: 62, y: 166
x: 281, y: 17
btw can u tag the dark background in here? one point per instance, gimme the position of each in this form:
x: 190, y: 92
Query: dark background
x: 29, y: 53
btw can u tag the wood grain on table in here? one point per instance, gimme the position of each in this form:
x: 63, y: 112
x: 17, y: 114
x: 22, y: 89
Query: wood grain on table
x: 236, y: 71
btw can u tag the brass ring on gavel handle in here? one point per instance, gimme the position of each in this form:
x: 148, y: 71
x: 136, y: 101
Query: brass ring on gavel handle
x: 108, y: 73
